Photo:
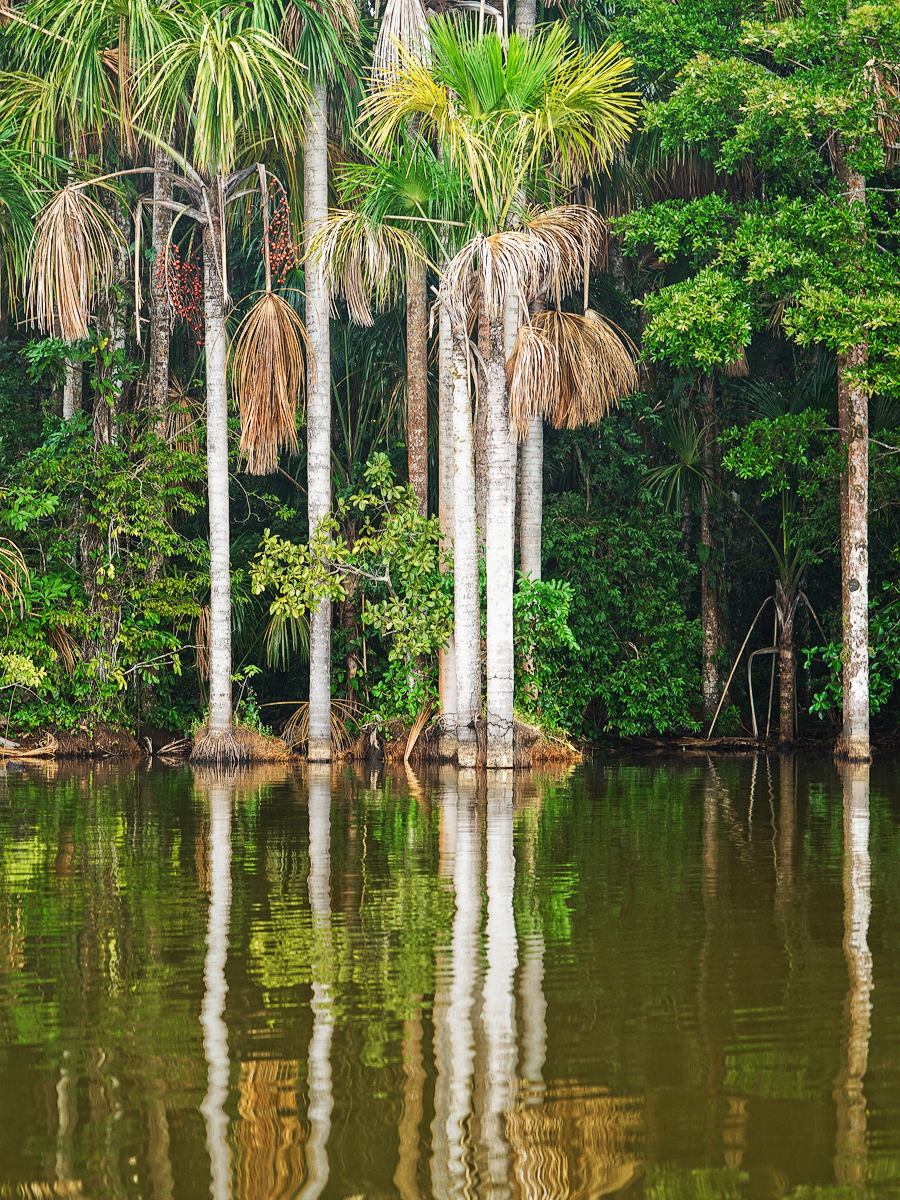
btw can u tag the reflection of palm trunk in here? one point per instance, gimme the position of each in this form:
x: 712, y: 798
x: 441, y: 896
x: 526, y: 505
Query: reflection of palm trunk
x: 705, y: 1000
x: 321, y: 1096
x: 784, y: 867
x: 498, y: 1013
x: 212, y: 1014
x: 467, y: 883
x: 67, y: 1112
x: 850, y: 1155
x: 531, y: 977
x: 405, y: 1177
x: 440, y: 1185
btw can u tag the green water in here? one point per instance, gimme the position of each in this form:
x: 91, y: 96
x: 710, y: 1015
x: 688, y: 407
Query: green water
x: 651, y: 978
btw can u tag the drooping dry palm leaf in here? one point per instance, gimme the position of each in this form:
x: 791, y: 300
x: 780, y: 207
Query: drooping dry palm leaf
x: 404, y: 26
x: 72, y: 257
x: 297, y: 727
x: 365, y: 260
x: 14, y: 575
x: 738, y: 368
x: 65, y: 646
x: 580, y: 237
x: 268, y: 366
x: 182, y: 419
x: 595, y: 367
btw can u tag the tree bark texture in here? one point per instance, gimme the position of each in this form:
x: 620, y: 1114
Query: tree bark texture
x: 217, y: 471
x: 499, y: 558
x: 318, y: 429
x: 466, y: 603
x: 112, y: 320
x: 510, y: 329
x: 481, y: 459
x: 532, y: 500
x: 709, y: 572
x: 417, y: 385
x: 72, y: 389
x: 160, y: 308
x: 446, y: 472
x: 526, y: 15
x: 853, y: 421
x: 786, y: 610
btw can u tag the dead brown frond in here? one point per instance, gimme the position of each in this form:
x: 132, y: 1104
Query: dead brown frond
x: 268, y: 367
x: 580, y: 236
x: 65, y: 646
x: 72, y: 257
x: 182, y: 419
x: 365, y: 261
x: 14, y: 576
x: 297, y: 727
x: 201, y: 641
x: 595, y: 368
x: 422, y: 719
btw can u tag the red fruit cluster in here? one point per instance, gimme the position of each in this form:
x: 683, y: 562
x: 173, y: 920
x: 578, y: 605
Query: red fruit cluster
x: 184, y: 286
x: 283, y: 254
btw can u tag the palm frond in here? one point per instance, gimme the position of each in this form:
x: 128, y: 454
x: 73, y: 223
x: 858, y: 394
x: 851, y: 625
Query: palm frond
x: 297, y: 727
x: 404, y: 26
x: 14, y: 576
x: 365, y: 260
x: 286, y: 635
x: 72, y: 258
x: 268, y: 367
x: 594, y: 369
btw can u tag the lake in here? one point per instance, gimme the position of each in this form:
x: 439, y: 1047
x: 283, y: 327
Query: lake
x: 670, y: 978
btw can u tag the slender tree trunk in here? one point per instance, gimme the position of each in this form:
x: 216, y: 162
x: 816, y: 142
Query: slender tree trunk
x: 160, y: 309
x: 532, y: 500
x: 318, y: 451
x: 72, y: 390
x: 217, y: 470
x: 417, y: 385
x: 481, y: 452
x: 466, y: 604
x: 113, y: 308
x: 709, y: 591
x: 510, y: 329
x: 447, y: 659
x: 786, y: 609
x: 853, y: 419
x: 499, y: 561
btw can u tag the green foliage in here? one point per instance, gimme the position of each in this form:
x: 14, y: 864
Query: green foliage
x: 884, y: 658
x: 540, y: 618
x: 637, y: 657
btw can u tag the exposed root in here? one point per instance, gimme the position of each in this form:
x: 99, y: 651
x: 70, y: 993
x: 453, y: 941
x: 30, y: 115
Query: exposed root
x: 240, y: 746
x: 531, y: 746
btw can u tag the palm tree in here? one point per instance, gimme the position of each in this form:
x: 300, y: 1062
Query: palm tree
x: 507, y: 118
x: 235, y: 91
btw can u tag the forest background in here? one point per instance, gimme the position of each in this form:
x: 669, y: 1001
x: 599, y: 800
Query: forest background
x: 748, y: 254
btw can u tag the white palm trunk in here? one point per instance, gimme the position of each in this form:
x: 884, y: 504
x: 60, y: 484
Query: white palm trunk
x: 72, y: 390
x: 319, y: 1081
x: 510, y: 329
x: 217, y: 474
x: 531, y: 503
x: 417, y: 384
x: 464, y: 949
x: 499, y: 558
x: 447, y: 659
x: 850, y: 1150
x: 212, y: 1013
x: 318, y: 418
x: 466, y: 602
x: 498, y: 1011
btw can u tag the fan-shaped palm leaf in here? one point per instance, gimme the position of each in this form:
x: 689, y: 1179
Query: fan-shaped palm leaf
x: 268, y: 368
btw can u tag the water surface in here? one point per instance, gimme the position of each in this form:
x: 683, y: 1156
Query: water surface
x: 647, y: 978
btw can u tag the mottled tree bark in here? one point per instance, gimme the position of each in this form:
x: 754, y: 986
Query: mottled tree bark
x: 499, y: 560
x: 466, y: 603
x: 709, y: 573
x: 160, y: 309
x: 481, y: 453
x: 318, y: 453
x: 220, y: 714
x: 446, y: 472
x: 786, y: 609
x: 417, y: 385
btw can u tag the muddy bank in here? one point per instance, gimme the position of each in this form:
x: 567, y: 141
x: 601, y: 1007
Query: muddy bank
x: 531, y: 746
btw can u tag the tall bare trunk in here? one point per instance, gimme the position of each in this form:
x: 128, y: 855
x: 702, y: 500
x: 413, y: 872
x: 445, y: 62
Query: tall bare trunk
x: 417, y: 385
x: 853, y: 419
x: 447, y: 661
x: 481, y: 435
x: 499, y: 559
x: 217, y: 471
x: 709, y: 590
x: 160, y: 309
x: 786, y: 609
x: 466, y: 603
x: 532, y: 499
x: 112, y: 319
x: 318, y: 444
